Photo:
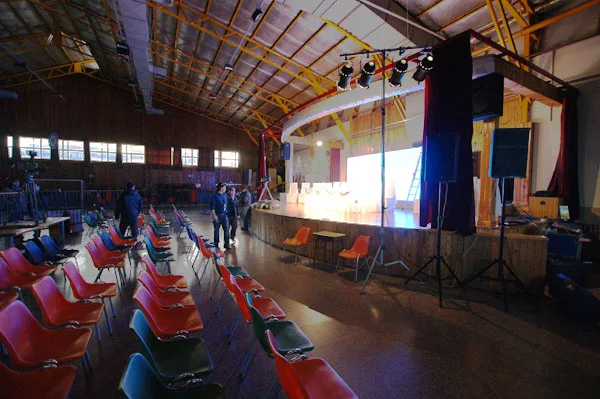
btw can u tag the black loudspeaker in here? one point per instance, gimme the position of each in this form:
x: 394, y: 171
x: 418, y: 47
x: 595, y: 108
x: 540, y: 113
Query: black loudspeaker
x: 509, y: 190
x: 509, y: 153
x: 488, y: 96
x: 284, y: 152
x: 578, y: 301
x: 441, y: 158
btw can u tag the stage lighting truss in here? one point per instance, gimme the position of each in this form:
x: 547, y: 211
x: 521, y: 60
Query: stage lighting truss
x: 366, y: 74
x: 345, y: 76
x: 425, y: 66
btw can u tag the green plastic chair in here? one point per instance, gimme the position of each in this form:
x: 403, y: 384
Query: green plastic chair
x: 139, y: 381
x: 173, y: 361
x: 237, y: 271
x: 288, y: 336
x: 158, y: 257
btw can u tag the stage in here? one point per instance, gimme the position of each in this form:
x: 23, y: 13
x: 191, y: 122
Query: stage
x: 526, y: 254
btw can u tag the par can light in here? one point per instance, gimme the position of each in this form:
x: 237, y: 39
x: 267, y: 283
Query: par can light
x: 364, y: 81
x: 345, y: 77
x: 398, y: 72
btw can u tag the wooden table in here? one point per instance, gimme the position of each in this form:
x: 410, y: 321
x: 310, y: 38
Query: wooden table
x: 53, y: 224
x: 324, y: 237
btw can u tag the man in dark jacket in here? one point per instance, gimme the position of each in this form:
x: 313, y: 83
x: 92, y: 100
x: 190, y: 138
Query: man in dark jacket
x: 232, y: 212
x: 129, y: 206
x: 245, y: 199
x: 218, y: 209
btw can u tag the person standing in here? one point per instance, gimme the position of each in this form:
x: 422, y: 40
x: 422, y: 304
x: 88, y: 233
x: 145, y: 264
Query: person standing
x: 218, y: 209
x: 232, y: 212
x: 129, y: 206
x: 244, y: 201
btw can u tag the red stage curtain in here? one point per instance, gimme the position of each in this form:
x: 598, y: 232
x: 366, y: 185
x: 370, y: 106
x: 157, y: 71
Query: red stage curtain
x: 158, y: 156
x: 448, y: 109
x: 565, y: 181
x: 334, y: 164
x: 262, y: 163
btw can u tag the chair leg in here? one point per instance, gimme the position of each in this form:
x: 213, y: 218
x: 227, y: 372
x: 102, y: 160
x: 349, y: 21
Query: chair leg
x: 215, y: 288
x: 98, y: 275
x: 283, y: 253
x: 203, y: 270
x: 221, y: 302
x: 272, y: 387
x: 248, y: 358
x: 233, y: 329
x: 106, y: 317
x: 112, y: 307
x: 296, y: 258
x: 97, y: 332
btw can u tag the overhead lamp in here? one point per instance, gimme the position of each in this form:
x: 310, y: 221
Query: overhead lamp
x: 345, y: 77
x: 368, y: 70
x: 398, y: 72
x: 319, y: 143
x: 423, y: 69
x: 256, y: 14
x: 212, y: 96
x: 228, y: 67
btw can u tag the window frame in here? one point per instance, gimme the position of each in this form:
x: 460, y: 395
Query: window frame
x: 193, y: 155
x: 127, y: 155
x: 219, y: 159
x: 104, y: 151
x: 61, y: 150
x: 34, y: 148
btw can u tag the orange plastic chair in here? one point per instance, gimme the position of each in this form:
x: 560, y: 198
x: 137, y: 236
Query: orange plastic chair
x: 177, y: 322
x: 301, y: 238
x: 165, y: 299
x: 20, y: 265
x: 46, y: 383
x: 165, y: 282
x: 102, y: 264
x: 359, y: 250
x: 9, y: 280
x: 83, y: 290
x: 304, y: 378
x: 156, y: 239
x: 31, y: 345
x: 246, y: 284
x: 58, y: 312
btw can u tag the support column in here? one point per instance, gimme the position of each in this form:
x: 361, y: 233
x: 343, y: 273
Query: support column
x: 289, y: 169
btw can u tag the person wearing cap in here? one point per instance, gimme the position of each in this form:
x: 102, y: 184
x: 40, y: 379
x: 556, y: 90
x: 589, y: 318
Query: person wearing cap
x: 218, y: 209
x: 129, y: 206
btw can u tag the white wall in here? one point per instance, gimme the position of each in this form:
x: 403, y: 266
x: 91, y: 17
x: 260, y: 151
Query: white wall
x: 546, y: 144
x: 313, y: 170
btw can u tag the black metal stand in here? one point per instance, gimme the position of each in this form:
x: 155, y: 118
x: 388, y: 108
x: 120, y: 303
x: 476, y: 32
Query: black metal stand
x: 500, y: 261
x: 438, y: 258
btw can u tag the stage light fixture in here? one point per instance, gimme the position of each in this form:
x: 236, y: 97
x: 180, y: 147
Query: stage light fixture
x: 398, y: 72
x: 228, y: 67
x: 212, y: 96
x: 256, y: 14
x: 345, y: 77
x: 319, y: 143
x: 368, y: 70
x: 424, y: 67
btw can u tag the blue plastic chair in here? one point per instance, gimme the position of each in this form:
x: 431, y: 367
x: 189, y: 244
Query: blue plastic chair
x: 109, y: 244
x: 139, y: 381
x: 34, y: 254
x: 53, y: 251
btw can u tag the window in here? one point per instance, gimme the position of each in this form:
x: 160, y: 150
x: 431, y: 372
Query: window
x: 103, y: 152
x: 70, y: 150
x: 132, y: 153
x: 227, y: 159
x: 9, y: 144
x: 40, y: 146
x: 189, y: 157
x: 172, y: 155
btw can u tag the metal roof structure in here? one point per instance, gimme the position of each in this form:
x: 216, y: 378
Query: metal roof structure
x: 226, y: 61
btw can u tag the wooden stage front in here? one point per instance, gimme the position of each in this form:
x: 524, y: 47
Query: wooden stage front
x: 526, y: 254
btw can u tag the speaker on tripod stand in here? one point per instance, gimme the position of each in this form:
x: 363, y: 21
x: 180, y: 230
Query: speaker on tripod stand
x: 508, y: 159
x: 441, y: 166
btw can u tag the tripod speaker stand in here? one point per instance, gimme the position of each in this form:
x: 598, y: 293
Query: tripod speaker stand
x: 438, y: 257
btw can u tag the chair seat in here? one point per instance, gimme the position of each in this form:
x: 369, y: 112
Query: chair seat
x: 292, y: 241
x: 61, y: 345
x: 288, y: 336
x: 166, y: 299
x: 321, y: 381
x: 103, y: 290
x: 85, y: 313
x: 42, y: 384
x: 248, y: 284
x: 6, y: 298
x: 180, y: 356
x: 169, y: 322
x: 268, y: 307
x: 350, y: 254
x: 170, y: 280
x: 238, y: 271
x: 119, y: 264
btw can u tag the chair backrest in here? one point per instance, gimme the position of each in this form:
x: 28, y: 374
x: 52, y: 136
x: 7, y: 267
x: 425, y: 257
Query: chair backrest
x: 94, y: 254
x: 99, y: 243
x: 49, y: 245
x: 75, y: 279
x: 140, y: 381
x: 285, y: 373
x: 150, y: 267
x: 361, y: 245
x: 49, y: 298
x: 205, y: 251
x: 108, y: 241
x: 226, y: 274
x: 302, y: 234
x: 35, y: 253
x: 99, y: 216
x: 143, y: 298
x: 239, y: 297
x: 7, y: 275
x: 260, y: 326
x: 89, y: 221
x: 149, y: 284
x: 114, y: 232
x: 93, y: 216
x: 140, y: 221
x: 16, y: 261
x: 139, y: 325
x: 17, y: 326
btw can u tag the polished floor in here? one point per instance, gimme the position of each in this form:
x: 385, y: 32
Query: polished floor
x: 393, y: 342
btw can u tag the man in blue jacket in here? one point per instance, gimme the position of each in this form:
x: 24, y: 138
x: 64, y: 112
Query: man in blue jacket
x: 218, y: 208
x: 129, y: 206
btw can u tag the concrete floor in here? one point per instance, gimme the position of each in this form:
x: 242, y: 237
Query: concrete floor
x: 393, y: 342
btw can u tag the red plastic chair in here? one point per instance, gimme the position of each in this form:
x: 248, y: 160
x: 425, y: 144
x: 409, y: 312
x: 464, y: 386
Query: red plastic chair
x: 304, y: 378
x: 6, y: 298
x: 47, y: 383
x: 246, y: 284
x: 31, y: 345
x: 301, y: 238
x: 164, y: 281
x: 20, y: 265
x: 58, y: 312
x: 106, y: 253
x: 9, y: 280
x: 165, y: 299
x: 172, y: 323
x: 83, y: 290
x: 117, y: 238
x: 155, y: 238
x: 359, y: 250
x: 102, y: 263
